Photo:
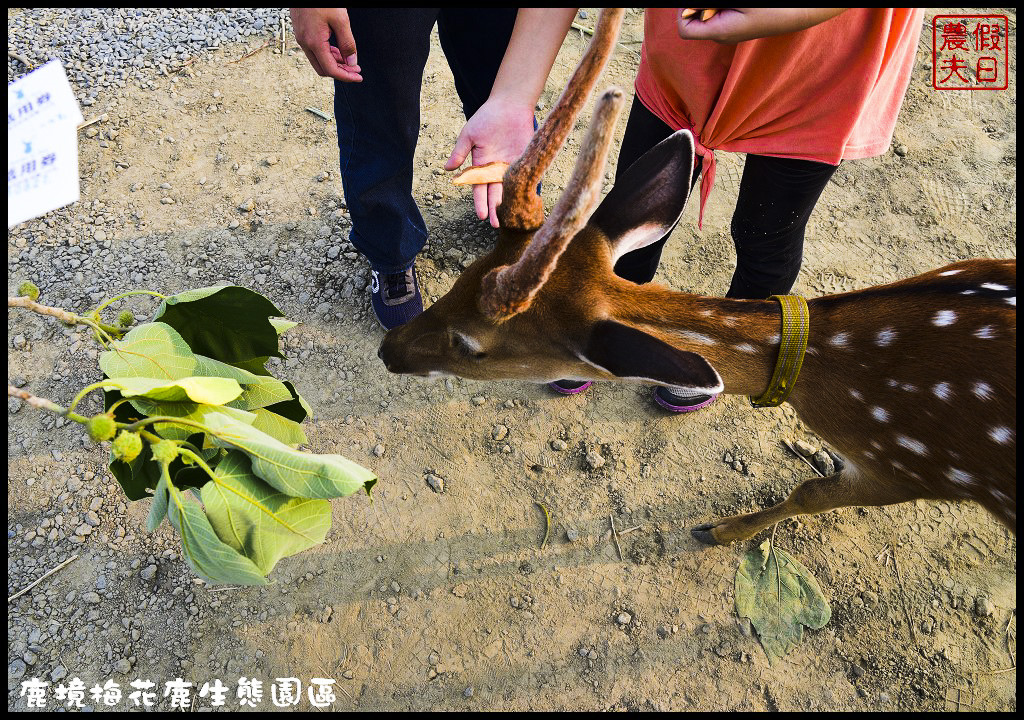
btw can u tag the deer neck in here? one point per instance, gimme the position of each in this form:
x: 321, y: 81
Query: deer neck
x: 740, y: 338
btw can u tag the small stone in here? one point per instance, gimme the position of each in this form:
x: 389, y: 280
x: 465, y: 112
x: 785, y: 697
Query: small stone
x: 558, y: 445
x: 459, y: 590
x: 378, y: 450
x: 901, y: 150
x: 16, y: 669
x: 594, y: 459
x: 468, y: 692
x: 479, y: 400
x: 572, y: 534
x: 348, y: 674
x: 148, y: 572
x: 123, y: 666
x: 623, y: 618
x: 499, y: 432
x: 983, y: 607
x: 436, y: 483
x: 805, y: 448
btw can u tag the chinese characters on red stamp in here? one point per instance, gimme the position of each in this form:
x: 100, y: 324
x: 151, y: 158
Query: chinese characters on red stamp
x: 970, y: 52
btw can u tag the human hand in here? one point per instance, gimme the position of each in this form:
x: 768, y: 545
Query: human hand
x: 313, y: 28
x: 498, y: 131
x: 732, y: 25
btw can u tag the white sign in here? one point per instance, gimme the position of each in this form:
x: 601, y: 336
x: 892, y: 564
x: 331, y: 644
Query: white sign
x: 42, y: 144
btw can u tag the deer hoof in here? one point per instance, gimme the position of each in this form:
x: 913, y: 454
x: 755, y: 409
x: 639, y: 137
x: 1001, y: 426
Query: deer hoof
x: 703, y: 534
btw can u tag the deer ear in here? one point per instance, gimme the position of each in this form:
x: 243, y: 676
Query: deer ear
x: 649, y: 198
x: 630, y: 353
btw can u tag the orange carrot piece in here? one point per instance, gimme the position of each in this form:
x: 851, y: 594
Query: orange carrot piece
x: 491, y: 172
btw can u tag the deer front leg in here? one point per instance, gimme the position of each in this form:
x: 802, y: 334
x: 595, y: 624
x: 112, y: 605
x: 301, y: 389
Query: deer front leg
x: 810, y: 497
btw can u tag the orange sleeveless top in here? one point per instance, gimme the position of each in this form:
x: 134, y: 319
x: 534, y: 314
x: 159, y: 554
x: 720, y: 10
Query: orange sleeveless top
x: 826, y: 93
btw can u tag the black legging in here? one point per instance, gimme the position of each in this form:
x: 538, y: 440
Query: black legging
x: 776, y: 198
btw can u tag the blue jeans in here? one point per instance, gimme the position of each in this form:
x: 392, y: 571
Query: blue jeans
x: 379, y: 118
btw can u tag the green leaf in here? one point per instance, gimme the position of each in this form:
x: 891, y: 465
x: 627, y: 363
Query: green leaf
x: 137, y: 477
x: 194, y: 412
x: 227, y: 323
x: 287, y: 431
x: 780, y: 596
x: 281, y: 325
x: 153, y: 350
x: 208, y: 390
x: 208, y: 556
x: 292, y: 472
x: 266, y: 390
x: 294, y: 409
x: 257, y: 520
x: 158, y: 510
x: 256, y: 366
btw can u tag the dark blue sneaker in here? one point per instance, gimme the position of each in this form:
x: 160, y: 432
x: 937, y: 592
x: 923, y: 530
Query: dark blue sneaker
x: 395, y: 297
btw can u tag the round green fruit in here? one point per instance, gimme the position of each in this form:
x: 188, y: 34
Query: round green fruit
x: 164, y: 452
x: 101, y: 428
x: 127, y: 446
x: 29, y: 289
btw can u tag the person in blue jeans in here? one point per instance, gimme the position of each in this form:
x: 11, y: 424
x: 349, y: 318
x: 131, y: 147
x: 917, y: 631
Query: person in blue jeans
x: 376, y: 57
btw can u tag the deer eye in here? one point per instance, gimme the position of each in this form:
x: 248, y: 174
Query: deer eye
x: 467, y: 346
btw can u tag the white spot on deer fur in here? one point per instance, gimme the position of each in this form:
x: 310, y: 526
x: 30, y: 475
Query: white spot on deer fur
x: 876, y: 445
x: 944, y: 318
x: 943, y: 391
x: 706, y: 313
x: 968, y: 292
x: 811, y: 350
x: 885, y: 337
x: 856, y: 394
x: 1000, y: 434
x: 891, y: 383
x: 959, y: 477
x: 985, y: 333
x: 1012, y: 301
x: 898, y: 465
x: 951, y: 272
x: 840, y: 340
x: 994, y: 286
x: 697, y: 337
x: 983, y: 390
x: 729, y: 321
x: 907, y: 387
x: 869, y: 455
x: 774, y: 340
x: 915, y: 446
x: 880, y: 414
x: 746, y: 347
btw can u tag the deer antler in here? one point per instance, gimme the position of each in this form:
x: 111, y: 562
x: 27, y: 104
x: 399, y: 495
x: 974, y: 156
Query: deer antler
x: 521, y: 208
x: 509, y: 289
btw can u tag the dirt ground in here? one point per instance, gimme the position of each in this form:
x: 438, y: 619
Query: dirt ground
x: 423, y: 600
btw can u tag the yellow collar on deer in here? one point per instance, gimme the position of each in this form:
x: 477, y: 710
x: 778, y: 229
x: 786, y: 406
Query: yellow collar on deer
x: 795, y: 329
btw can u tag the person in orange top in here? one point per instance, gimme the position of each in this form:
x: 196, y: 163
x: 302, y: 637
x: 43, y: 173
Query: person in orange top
x: 797, y: 89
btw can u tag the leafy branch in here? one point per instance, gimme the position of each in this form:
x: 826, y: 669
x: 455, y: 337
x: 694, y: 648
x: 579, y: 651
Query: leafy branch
x: 198, y: 423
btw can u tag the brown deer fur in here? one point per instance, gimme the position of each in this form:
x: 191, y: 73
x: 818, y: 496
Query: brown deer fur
x: 913, y: 383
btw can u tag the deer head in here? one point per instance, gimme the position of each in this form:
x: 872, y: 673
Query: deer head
x: 477, y: 329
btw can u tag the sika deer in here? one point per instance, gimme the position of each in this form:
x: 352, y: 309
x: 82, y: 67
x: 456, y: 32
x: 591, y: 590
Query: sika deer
x: 913, y: 383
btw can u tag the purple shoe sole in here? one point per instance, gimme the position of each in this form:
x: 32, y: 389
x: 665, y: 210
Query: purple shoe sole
x: 566, y: 391
x: 682, y: 408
